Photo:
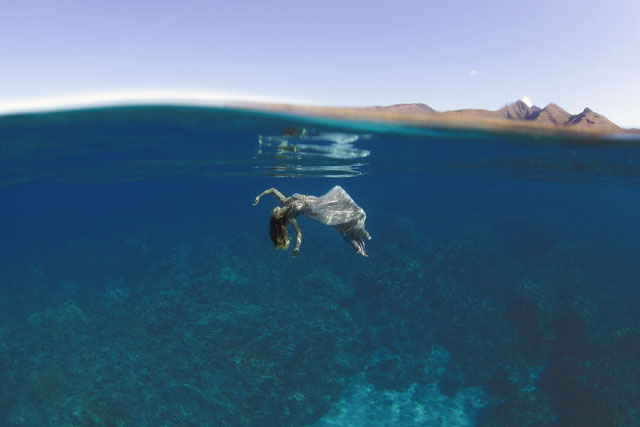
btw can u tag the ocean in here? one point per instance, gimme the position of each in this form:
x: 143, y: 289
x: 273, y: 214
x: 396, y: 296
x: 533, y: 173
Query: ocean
x: 139, y: 285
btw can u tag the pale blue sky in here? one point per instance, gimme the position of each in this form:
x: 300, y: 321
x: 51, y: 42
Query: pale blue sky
x: 449, y: 54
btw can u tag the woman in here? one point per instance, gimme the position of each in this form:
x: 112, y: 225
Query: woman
x: 335, y: 208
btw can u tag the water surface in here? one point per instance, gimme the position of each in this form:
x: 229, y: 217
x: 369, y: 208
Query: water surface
x: 139, y: 285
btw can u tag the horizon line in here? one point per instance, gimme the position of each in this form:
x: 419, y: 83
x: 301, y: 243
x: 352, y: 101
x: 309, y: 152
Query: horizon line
x: 115, y: 98
x: 131, y: 97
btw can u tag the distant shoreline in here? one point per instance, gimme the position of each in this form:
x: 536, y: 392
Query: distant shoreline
x: 517, y: 117
x: 458, y: 119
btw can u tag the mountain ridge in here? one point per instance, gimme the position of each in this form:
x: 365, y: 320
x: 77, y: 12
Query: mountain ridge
x: 551, y: 115
x: 513, y: 116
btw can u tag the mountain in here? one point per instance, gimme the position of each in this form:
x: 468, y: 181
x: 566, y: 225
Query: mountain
x: 417, y: 108
x: 552, y: 115
x: 517, y: 111
x: 589, y: 119
x: 515, y: 116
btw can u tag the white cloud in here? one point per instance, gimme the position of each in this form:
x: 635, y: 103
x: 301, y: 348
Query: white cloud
x: 527, y: 101
x: 473, y: 73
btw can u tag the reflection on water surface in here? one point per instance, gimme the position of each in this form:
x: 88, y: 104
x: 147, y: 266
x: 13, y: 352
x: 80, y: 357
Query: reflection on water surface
x: 298, y: 152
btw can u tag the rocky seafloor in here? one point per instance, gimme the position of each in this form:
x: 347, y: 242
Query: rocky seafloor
x: 161, y: 329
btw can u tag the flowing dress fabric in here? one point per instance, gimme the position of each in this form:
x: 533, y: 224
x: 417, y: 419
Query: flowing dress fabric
x: 337, y: 209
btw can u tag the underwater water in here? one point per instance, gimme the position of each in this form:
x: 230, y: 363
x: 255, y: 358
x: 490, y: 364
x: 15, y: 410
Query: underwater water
x: 139, y: 286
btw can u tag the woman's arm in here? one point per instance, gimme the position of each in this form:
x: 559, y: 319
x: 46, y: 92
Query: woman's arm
x: 271, y: 191
x: 296, y: 250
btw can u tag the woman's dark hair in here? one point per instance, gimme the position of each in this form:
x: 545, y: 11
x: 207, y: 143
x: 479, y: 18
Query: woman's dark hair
x: 278, y: 231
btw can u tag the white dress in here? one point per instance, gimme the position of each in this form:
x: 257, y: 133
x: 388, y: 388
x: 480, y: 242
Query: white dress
x: 337, y: 209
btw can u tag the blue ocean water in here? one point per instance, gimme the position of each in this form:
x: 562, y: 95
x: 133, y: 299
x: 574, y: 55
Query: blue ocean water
x: 139, y: 286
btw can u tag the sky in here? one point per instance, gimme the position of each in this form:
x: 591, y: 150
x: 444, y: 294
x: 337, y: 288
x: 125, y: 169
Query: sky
x: 449, y: 54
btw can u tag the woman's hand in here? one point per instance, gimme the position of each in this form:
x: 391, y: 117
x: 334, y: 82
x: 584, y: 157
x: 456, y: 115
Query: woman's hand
x: 271, y: 191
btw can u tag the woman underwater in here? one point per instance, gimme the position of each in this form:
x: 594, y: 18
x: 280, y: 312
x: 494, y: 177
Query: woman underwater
x: 336, y: 208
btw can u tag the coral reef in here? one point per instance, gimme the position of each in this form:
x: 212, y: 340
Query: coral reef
x: 199, y: 333
x: 525, y: 408
x: 598, y: 385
